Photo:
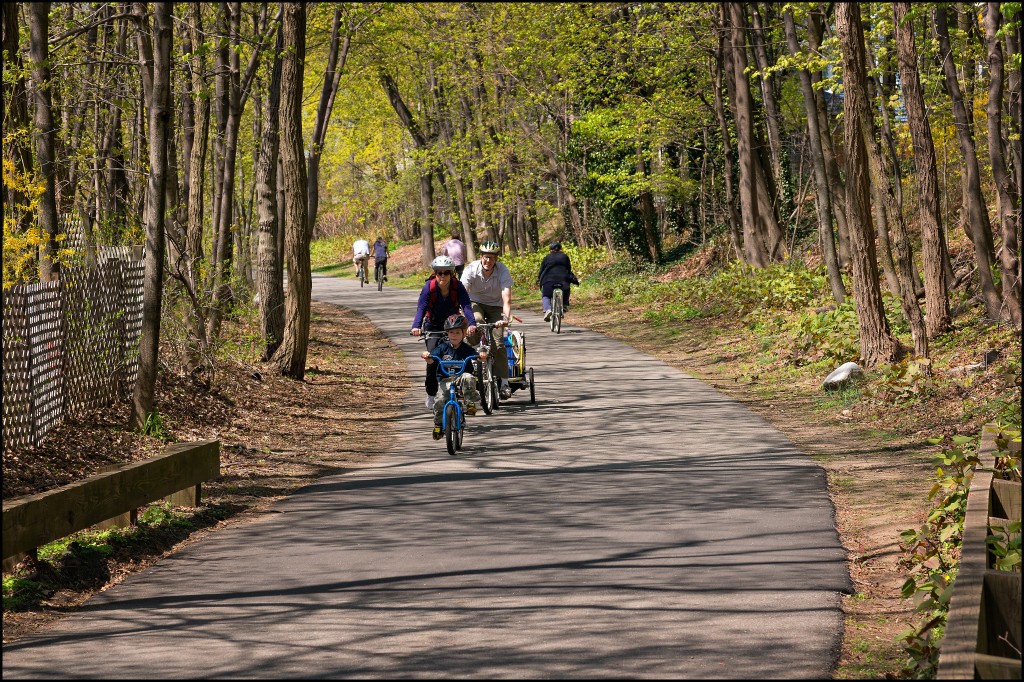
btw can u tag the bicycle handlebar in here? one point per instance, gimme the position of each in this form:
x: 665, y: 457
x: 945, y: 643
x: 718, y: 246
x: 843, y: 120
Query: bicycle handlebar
x: 452, y: 367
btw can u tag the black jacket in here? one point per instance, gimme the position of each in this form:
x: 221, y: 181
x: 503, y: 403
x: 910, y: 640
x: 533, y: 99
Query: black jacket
x: 555, y: 269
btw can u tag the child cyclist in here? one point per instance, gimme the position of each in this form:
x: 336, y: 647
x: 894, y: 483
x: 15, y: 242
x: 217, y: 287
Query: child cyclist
x: 453, y: 348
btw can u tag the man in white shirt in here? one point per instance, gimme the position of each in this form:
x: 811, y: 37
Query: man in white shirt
x: 489, y: 284
x: 361, y: 256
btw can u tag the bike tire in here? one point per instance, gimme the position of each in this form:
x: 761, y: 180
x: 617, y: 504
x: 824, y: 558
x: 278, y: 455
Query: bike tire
x: 460, y: 432
x: 487, y: 394
x: 450, y: 429
x: 380, y: 284
x: 494, y: 394
x: 533, y: 393
x: 481, y: 388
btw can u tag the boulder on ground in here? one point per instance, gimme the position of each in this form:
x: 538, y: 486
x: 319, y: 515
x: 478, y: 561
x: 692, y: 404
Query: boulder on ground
x: 841, y: 376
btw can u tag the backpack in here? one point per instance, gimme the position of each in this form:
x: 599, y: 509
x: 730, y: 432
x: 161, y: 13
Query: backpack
x: 432, y: 293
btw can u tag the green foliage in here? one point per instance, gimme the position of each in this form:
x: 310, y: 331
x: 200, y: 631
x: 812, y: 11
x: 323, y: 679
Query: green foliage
x: 905, y: 382
x: 20, y: 594
x: 828, y: 335
x: 154, y: 427
x: 933, y: 554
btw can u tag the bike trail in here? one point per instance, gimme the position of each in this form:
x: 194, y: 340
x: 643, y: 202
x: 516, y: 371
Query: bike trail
x: 632, y: 523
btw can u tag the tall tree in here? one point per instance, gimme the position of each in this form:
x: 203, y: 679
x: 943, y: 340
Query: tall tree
x: 753, y: 242
x: 15, y: 116
x: 290, y: 356
x: 39, y: 28
x: 1009, y: 198
x: 933, y: 241
x: 159, y: 113
x: 822, y: 198
x: 269, y: 269
x: 977, y: 225
x: 877, y: 345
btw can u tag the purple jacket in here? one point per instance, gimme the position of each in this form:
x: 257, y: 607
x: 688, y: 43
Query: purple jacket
x: 442, y: 307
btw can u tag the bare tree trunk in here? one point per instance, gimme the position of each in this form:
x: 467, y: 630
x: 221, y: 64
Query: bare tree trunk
x: 291, y: 354
x: 269, y: 269
x: 822, y: 198
x: 723, y: 62
x: 159, y: 112
x: 933, y: 243
x: 332, y: 76
x: 647, y: 211
x: 771, y: 107
x: 753, y: 241
x: 39, y: 29
x: 1009, y: 214
x: 197, y: 163
x: 977, y: 225
x: 877, y: 345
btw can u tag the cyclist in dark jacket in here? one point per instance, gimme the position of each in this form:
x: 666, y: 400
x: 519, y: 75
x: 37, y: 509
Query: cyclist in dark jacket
x: 555, y: 271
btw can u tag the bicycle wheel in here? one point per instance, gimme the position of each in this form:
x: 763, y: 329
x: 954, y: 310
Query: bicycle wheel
x: 362, y: 277
x: 481, y: 387
x: 533, y: 393
x: 488, y: 391
x: 379, y: 277
x: 556, y: 311
x: 451, y: 429
x: 460, y: 432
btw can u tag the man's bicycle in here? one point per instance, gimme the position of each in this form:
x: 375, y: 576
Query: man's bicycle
x: 378, y: 273
x: 362, y: 272
x: 487, y: 382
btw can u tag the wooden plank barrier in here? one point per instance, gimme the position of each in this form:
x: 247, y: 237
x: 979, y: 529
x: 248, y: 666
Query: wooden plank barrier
x: 34, y: 520
x: 983, y: 628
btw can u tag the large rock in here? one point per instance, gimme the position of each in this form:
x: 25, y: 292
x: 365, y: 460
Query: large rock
x: 841, y: 376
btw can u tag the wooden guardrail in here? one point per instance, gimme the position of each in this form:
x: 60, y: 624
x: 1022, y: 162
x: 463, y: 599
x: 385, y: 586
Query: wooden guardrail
x: 34, y: 520
x: 983, y: 628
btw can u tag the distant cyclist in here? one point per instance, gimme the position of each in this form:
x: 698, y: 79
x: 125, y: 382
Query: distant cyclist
x: 360, y: 255
x: 380, y: 256
x: 489, y: 284
x: 555, y: 271
x: 441, y: 297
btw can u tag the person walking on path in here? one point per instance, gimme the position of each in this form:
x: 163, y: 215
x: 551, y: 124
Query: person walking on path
x: 489, y: 284
x: 441, y: 297
x: 555, y: 271
x: 455, y: 250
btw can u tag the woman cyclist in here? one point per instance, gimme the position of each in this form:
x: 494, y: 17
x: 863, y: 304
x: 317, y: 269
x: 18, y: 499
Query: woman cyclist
x: 441, y: 296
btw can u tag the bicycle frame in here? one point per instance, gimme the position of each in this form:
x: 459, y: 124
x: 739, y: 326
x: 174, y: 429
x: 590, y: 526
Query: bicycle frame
x: 453, y: 369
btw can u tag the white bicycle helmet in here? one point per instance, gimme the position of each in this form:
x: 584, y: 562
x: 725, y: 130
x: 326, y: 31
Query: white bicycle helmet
x: 442, y: 263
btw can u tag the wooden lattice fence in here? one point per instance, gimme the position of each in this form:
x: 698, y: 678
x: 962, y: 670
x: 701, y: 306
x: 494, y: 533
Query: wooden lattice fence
x: 70, y: 345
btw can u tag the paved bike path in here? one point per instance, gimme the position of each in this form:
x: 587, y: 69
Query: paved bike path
x: 633, y: 522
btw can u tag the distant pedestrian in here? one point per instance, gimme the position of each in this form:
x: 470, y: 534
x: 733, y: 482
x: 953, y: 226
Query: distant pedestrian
x: 455, y: 250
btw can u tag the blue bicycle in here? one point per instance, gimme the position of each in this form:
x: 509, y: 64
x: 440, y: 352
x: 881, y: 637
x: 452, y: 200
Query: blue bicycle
x: 453, y: 414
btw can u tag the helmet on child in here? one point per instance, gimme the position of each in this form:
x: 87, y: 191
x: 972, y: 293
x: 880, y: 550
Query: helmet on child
x: 456, y: 321
x: 442, y: 263
x: 490, y: 247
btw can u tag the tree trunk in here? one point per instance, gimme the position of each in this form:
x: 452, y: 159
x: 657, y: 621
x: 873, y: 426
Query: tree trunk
x: 977, y: 225
x: 1009, y: 215
x: 291, y: 354
x: 197, y: 163
x: 159, y: 112
x: 269, y: 269
x: 877, y: 345
x: 647, y: 210
x: 723, y: 62
x: 837, y: 190
x: 332, y: 76
x: 771, y: 107
x: 39, y: 29
x: 933, y: 243
x: 753, y: 241
x: 822, y: 198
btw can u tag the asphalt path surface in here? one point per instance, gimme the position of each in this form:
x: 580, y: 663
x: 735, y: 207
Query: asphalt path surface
x: 633, y: 522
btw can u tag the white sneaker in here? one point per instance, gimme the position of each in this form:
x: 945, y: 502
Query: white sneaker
x: 547, y: 316
x: 430, y: 402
